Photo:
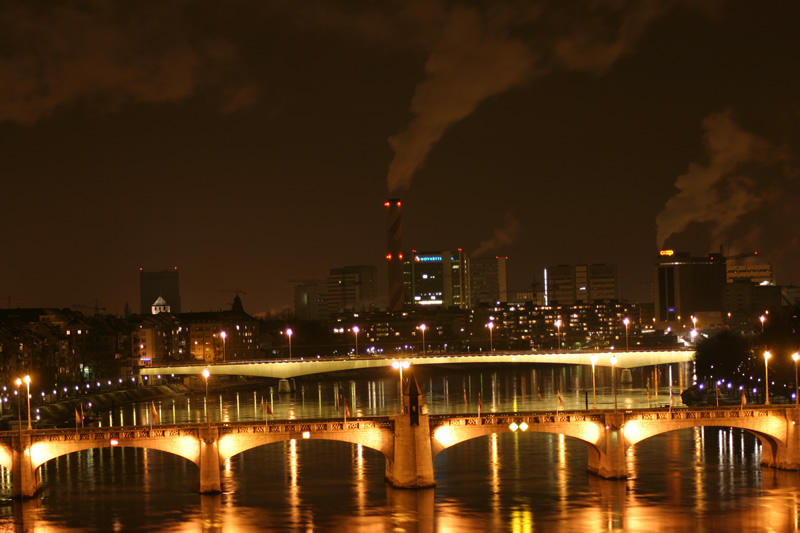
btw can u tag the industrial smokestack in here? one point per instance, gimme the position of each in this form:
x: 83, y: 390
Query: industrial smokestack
x: 394, y: 254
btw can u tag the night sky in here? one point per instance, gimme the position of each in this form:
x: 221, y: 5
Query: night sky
x: 251, y: 143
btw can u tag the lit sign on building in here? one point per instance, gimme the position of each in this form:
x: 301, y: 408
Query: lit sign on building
x: 428, y: 258
x: 667, y: 252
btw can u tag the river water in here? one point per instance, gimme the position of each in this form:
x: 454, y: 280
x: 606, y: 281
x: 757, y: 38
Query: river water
x: 688, y: 480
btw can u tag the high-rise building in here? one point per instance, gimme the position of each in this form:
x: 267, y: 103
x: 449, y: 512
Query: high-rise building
x: 689, y: 287
x: 164, y: 284
x: 436, y: 278
x: 574, y: 284
x: 352, y: 288
x: 487, y: 280
x: 311, y: 300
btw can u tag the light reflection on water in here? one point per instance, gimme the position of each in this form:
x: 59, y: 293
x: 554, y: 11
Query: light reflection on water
x: 698, y: 480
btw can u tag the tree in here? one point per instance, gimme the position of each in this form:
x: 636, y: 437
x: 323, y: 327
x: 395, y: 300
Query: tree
x: 724, y: 355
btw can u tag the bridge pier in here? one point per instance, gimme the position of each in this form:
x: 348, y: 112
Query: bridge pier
x: 25, y: 478
x: 782, y: 454
x: 607, y: 459
x: 210, y: 481
x: 411, y: 464
x: 411, y: 467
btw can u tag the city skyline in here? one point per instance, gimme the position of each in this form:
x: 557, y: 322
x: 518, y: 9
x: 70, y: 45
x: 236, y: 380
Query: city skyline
x: 256, y: 144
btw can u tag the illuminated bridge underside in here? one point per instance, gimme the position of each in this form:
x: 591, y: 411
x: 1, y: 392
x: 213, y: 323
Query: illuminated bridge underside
x: 290, y: 369
x: 408, y: 449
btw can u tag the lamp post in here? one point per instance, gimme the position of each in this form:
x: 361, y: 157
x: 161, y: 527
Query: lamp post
x: 614, y: 379
x: 289, y: 333
x: 593, y: 358
x: 224, y: 336
x: 557, y: 324
x: 206, y: 374
x: 762, y: 318
x: 355, y: 332
x: 767, y: 355
x: 27, y: 380
x: 626, y: 321
x: 422, y: 328
x: 795, y: 357
x: 19, y: 409
x: 400, y: 365
x: 490, y: 325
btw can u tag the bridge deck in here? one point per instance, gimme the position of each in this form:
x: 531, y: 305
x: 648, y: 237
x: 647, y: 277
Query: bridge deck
x: 289, y: 368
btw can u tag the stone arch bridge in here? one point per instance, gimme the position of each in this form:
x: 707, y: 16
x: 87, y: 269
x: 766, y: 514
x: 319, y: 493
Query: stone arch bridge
x: 409, y: 448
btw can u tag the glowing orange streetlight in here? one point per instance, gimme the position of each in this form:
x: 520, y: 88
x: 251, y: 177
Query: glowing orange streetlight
x: 400, y: 365
x: 593, y: 359
x: 206, y: 375
x: 224, y: 336
x: 795, y: 357
x: 289, y: 333
x: 767, y: 355
x: 626, y: 321
x: 557, y: 324
x: 490, y: 325
x: 422, y: 328
x: 355, y: 332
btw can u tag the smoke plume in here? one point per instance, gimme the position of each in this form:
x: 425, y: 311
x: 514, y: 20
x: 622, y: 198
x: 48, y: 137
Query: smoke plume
x: 501, y: 237
x: 724, y: 190
x: 482, y: 53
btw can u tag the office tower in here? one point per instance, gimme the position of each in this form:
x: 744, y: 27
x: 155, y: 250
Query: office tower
x: 436, y: 278
x: 689, y: 286
x: 572, y: 284
x: 164, y: 283
x: 487, y: 280
x: 351, y: 288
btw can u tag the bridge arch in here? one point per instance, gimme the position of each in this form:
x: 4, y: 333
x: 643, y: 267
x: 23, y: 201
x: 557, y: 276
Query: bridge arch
x: 233, y: 443
x: 772, y: 431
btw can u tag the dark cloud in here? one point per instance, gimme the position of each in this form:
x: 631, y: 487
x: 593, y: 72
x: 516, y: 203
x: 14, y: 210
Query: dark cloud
x: 54, y: 55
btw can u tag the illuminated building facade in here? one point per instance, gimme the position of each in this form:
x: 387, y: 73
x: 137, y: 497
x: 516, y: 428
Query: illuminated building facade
x: 436, y: 278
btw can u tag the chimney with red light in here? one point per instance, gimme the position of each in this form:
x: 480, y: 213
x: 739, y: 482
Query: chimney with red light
x: 394, y: 255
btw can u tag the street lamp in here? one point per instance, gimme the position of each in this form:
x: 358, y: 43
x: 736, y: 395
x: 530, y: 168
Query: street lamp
x: 27, y: 380
x: 767, y: 355
x: 626, y: 321
x: 614, y: 379
x: 593, y: 358
x: 490, y: 325
x: 762, y: 318
x: 206, y: 374
x: 558, y: 334
x: 795, y: 357
x: 289, y: 334
x: 355, y: 332
x: 422, y: 328
x: 694, y: 322
x: 224, y: 336
x: 400, y: 365
x: 19, y: 409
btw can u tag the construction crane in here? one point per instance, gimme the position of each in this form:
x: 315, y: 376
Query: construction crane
x: 96, y: 308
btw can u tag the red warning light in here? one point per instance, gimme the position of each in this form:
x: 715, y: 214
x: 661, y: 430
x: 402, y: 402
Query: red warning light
x: 400, y: 257
x: 388, y: 257
x: 386, y: 204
